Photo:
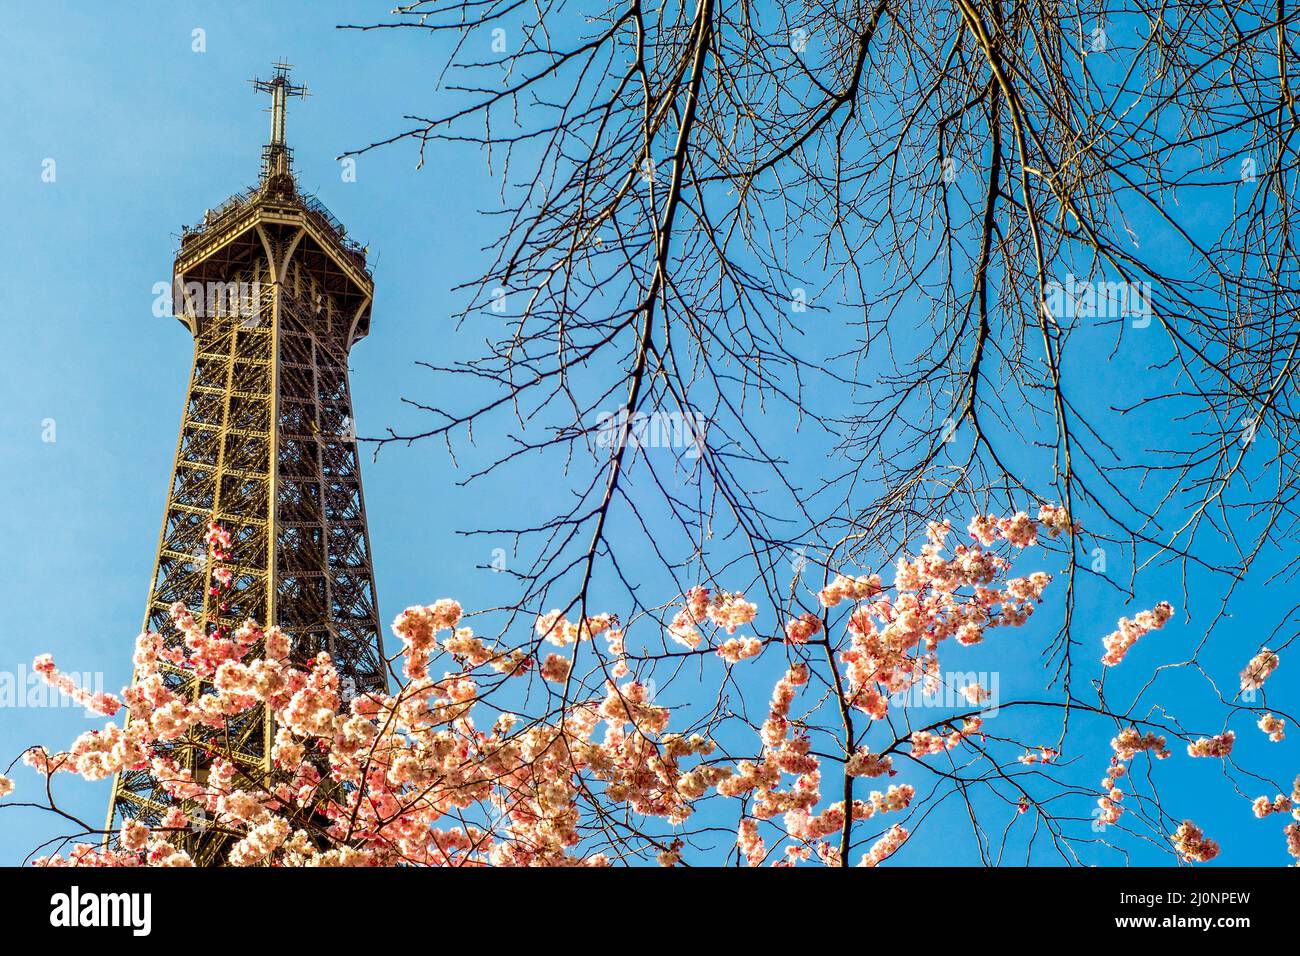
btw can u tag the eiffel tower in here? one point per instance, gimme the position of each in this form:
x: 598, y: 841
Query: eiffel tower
x: 275, y: 294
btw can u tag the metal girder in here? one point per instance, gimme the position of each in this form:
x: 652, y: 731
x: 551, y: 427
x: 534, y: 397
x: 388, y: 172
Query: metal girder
x: 266, y: 447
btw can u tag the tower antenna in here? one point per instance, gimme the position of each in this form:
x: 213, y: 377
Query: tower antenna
x: 277, y: 158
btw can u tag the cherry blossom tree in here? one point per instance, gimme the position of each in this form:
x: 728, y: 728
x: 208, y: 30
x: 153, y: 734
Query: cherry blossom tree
x: 569, y: 746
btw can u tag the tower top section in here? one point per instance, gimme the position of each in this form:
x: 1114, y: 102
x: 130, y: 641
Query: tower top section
x: 277, y: 158
x: 271, y: 229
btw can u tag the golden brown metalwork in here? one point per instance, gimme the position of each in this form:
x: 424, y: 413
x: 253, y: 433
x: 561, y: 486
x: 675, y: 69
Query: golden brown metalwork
x: 275, y: 296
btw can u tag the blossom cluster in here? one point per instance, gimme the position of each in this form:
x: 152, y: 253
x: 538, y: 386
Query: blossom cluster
x: 1193, y: 845
x: 1259, y: 669
x: 786, y: 752
x: 1264, y: 807
x: 1056, y: 520
x: 959, y: 593
x: 103, y: 704
x: 1274, y: 726
x: 1219, y: 745
x: 725, y: 610
x: 1126, y: 745
x: 435, y: 774
x: 848, y: 588
x: 1118, y: 643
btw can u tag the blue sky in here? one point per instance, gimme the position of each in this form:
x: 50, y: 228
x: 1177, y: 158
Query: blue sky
x: 145, y: 134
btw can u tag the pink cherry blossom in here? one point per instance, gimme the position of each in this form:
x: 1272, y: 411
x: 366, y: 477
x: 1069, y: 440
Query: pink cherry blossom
x: 1056, y: 520
x: 1274, y: 726
x: 1258, y: 670
x: 866, y: 764
x: 1192, y: 844
x: 725, y: 610
x: 846, y: 588
x: 802, y: 629
x: 438, y: 772
x: 736, y: 649
x: 1130, y: 742
x: 885, y: 847
x: 1119, y: 642
x: 104, y: 704
x: 1217, y: 746
x: 1264, y: 807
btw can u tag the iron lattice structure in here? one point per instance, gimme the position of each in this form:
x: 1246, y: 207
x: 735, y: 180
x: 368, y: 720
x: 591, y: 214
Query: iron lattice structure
x: 275, y: 296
